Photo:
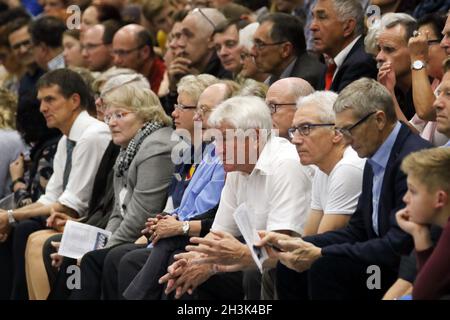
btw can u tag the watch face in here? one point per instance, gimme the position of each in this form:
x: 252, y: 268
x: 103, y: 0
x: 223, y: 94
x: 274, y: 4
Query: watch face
x: 418, y: 64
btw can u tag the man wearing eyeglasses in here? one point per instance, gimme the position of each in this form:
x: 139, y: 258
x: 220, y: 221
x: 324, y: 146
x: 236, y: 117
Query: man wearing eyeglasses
x: 21, y: 45
x: 132, y: 48
x: 281, y: 99
x: 195, y: 52
x: 96, y: 46
x: 334, y: 265
x: 280, y: 49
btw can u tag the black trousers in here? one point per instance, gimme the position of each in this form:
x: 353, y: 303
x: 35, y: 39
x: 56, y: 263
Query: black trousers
x: 145, y: 285
x: 13, y: 283
x: 47, y: 250
x: 332, y: 278
x: 121, y: 266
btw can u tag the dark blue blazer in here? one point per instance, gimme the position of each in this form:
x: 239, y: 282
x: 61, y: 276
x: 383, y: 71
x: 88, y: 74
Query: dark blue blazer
x: 357, y: 64
x: 357, y: 240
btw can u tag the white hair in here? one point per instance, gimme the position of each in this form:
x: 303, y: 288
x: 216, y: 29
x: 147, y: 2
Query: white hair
x: 323, y: 102
x: 246, y: 35
x: 136, y: 79
x: 391, y: 19
x: 195, y: 84
x: 242, y: 113
x: 351, y: 9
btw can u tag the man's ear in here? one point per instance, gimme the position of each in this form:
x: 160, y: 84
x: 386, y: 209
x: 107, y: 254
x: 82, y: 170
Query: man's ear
x: 75, y: 100
x: 145, y: 51
x: 380, y: 117
x: 348, y: 27
x: 337, y: 137
x: 287, y: 49
x: 442, y: 199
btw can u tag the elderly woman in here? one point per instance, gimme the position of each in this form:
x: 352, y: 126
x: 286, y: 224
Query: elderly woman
x: 142, y: 175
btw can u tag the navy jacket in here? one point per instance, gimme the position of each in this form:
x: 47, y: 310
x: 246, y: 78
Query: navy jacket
x: 357, y: 64
x: 357, y: 240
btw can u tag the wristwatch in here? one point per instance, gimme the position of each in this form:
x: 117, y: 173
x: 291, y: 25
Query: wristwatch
x: 418, y: 65
x: 11, y: 218
x: 186, y: 228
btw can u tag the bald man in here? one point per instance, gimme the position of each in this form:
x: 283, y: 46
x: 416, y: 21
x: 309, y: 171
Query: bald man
x: 282, y: 97
x: 133, y: 48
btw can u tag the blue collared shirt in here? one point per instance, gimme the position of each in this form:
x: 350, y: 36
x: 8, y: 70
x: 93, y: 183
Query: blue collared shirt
x: 204, y: 189
x: 447, y: 144
x: 379, y: 162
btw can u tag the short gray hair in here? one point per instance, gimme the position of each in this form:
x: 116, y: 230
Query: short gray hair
x: 364, y: 96
x: 351, y: 9
x: 242, y: 113
x: 323, y: 102
x: 195, y: 84
x: 390, y: 20
x: 246, y: 35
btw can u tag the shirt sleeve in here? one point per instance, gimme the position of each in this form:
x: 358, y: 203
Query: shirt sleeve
x: 317, y: 187
x: 291, y: 196
x: 343, y: 190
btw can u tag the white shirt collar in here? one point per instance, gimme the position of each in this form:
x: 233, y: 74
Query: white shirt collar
x: 340, y: 57
x: 79, y: 125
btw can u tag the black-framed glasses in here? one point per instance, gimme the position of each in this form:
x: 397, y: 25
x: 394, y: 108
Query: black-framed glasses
x: 183, y: 107
x: 305, y: 129
x: 261, y: 44
x: 433, y: 41
x: 348, y: 131
x: 205, y: 16
x: 273, y: 107
x: 123, y: 52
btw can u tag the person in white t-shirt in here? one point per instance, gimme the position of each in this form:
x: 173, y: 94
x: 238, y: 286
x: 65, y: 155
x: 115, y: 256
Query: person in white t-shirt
x: 338, y: 179
x: 268, y: 178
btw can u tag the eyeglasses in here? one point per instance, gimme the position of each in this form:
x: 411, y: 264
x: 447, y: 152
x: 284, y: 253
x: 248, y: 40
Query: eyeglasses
x: 348, y: 131
x: 123, y: 52
x: 260, y: 44
x: 202, y: 110
x: 275, y: 106
x: 205, y: 16
x: 433, y: 41
x: 25, y: 43
x: 305, y: 129
x: 91, y: 46
x: 119, y: 115
x: 182, y: 107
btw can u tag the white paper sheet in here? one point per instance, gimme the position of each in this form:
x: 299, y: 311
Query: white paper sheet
x: 244, y: 221
x: 79, y: 238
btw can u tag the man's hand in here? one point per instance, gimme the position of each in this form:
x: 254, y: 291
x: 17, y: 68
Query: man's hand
x: 184, y: 276
x: 56, y: 258
x: 386, y: 76
x: 178, y: 68
x: 418, y: 46
x: 16, y: 168
x: 404, y: 221
x: 299, y: 255
x: 57, y: 220
x: 5, y: 233
x: 221, y: 248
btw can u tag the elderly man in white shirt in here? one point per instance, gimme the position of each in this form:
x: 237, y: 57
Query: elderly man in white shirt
x: 264, y: 173
x: 64, y: 98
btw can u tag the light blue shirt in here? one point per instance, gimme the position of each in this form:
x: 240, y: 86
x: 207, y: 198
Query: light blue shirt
x: 447, y: 144
x: 379, y: 162
x: 204, y: 189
